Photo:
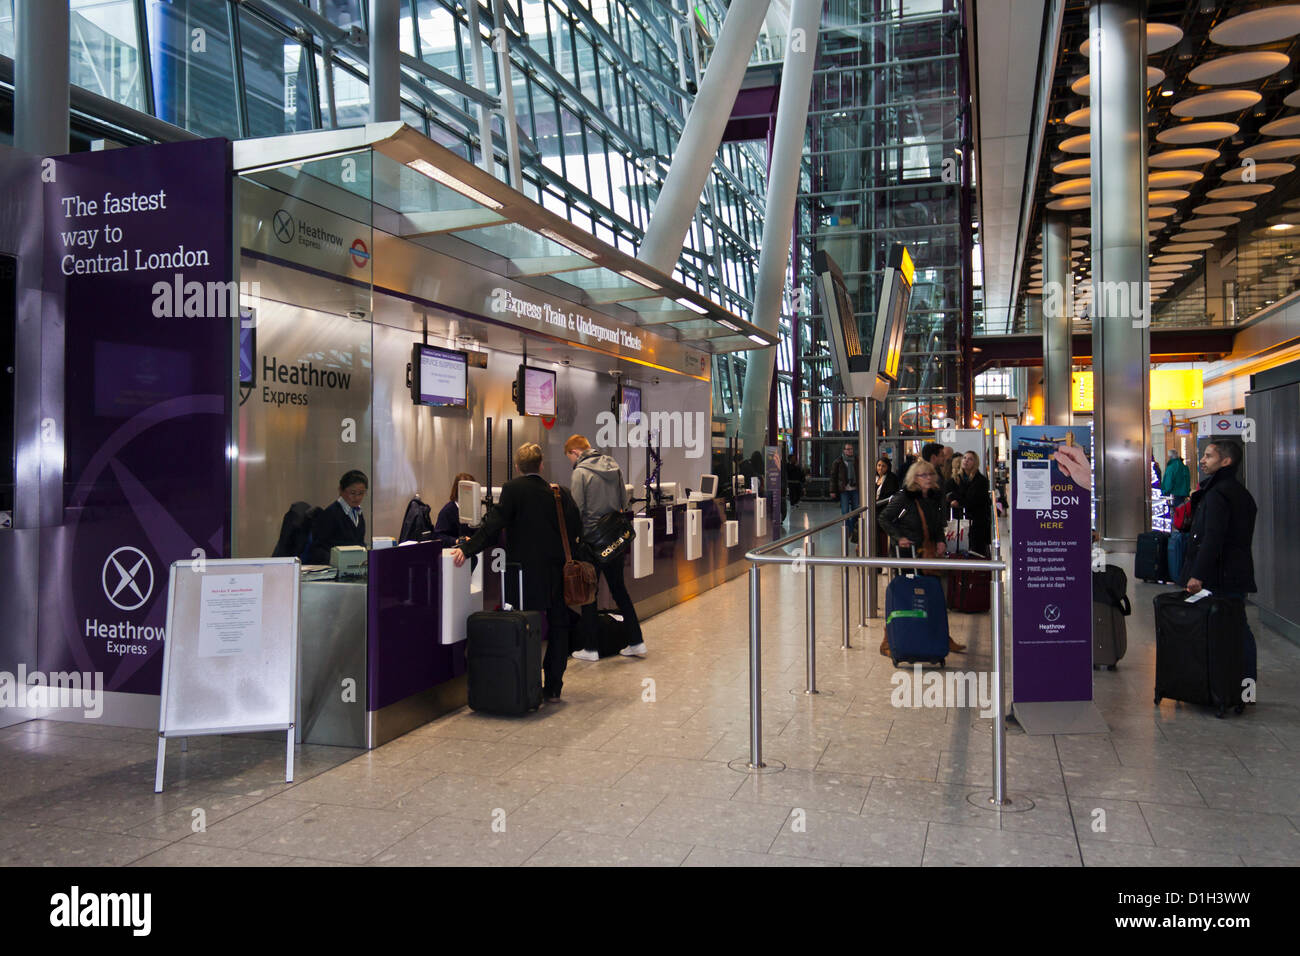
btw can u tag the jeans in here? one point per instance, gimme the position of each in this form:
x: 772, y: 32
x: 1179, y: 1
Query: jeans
x: 613, y: 575
x: 849, y: 502
x: 1249, y: 652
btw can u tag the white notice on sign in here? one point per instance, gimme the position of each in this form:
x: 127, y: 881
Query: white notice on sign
x: 230, y: 614
x: 1034, y: 484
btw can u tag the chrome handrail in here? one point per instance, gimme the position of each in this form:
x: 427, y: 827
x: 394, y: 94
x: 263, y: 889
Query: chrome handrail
x: 765, y: 555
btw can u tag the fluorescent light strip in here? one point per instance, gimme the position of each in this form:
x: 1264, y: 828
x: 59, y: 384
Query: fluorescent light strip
x: 451, y: 182
x: 567, y: 243
x: 759, y: 339
x: 645, y: 282
x: 729, y: 325
x: 692, y: 306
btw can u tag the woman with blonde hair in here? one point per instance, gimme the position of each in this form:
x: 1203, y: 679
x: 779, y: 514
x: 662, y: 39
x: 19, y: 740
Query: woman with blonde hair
x: 913, y: 518
x: 968, y: 494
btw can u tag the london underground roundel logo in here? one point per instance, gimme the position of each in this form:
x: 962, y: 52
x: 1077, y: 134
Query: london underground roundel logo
x: 360, y: 254
x: 127, y: 578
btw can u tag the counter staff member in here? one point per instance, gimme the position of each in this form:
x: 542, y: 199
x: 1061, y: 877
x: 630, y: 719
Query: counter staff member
x: 526, y: 512
x: 342, y: 523
x: 449, y: 529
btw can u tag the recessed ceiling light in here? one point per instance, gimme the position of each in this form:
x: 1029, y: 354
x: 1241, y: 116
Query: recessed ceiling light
x: 450, y: 181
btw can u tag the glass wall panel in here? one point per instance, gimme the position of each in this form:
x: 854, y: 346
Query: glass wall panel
x: 104, y: 50
x: 277, y: 83
x: 191, y: 65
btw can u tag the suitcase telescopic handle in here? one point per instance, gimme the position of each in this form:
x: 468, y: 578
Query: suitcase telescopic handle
x: 505, y: 605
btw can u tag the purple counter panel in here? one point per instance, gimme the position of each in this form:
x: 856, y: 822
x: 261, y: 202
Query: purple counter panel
x: 403, y: 653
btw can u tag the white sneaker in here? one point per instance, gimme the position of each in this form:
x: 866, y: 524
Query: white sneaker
x: 585, y: 656
x: 636, y: 650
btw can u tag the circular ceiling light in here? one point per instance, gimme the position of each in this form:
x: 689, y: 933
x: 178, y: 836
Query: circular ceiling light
x: 1160, y: 212
x: 1079, y: 243
x: 1286, y: 126
x: 1224, y: 208
x: 1258, y: 171
x: 1076, y: 144
x: 1174, y: 158
x: 1072, y: 187
x: 1258, y: 26
x: 1078, y: 117
x: 1287, y: 218
x: 1160, y: 37
x: 1200, y: 235
x: 1074, y: 167
x: 1179, y: 257
x: 1292, y: 98
x: 1071, y: 203
x: 1188, y: 246
x: 1272, y: 232
x: 1238, y: 68
x: 1292, y: 203
x: 1240, y: 191
x: 1166, y: 178
x: 1208, y: 132
x: 1079, y: 230
x: 1216, y: 103
x: 1211, y: 222
x: 1278, y: 149
x: 1167, y: 195
x: 1155, y: 77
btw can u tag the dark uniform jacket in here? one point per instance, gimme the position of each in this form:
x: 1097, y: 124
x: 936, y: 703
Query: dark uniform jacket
x: 526, y: 512
x: 1223, y: 524
x: 901, y: 518
x: 333, y: 528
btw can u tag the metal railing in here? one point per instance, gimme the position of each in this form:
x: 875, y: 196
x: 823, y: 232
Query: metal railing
x: 768, y: 554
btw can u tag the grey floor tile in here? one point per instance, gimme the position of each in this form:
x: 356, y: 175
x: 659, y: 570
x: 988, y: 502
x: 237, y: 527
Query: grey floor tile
x: 797, y: 753
x: 879, y: 760
x: 664, y: 741
x: 1258, y: 794
x: 195, y: 816
x: 715, y: 856
x: 1099, y: 820
x: 853, y: 839
x: 728, y: 824
x: 1134, y: 783
x: 484, y: 758
x: 60, y: 846
x: 1222, y: 831
x: 358, y: 785
x: 1023, y: 773
x: 921, y: 801
x: 706, y: 779
x: 467, y: 796
x: 186, y: 853
x: 952, y: 845
x: 242, y: 828
x: 586, y: 809
x: 1205, y: 758
x: 579, y: 767
x: 569, y: 848
x: 345, y: 834
x: 821, y: 790
x: 1097, y: 853
x: 448, y: 841
x: 1272, y: 763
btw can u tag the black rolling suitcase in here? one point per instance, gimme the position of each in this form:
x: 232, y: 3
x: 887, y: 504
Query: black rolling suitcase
x: 1151, y: 563
x: 1200, y: 650
x: 1110, y: 605
x: 503, y: 653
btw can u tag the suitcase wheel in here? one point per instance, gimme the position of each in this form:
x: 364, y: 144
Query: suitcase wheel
x: 894, y: 660
x: 1110, y: 667
x: 942, y: 662
x: 1240, y: 709
x: 1158, y: 700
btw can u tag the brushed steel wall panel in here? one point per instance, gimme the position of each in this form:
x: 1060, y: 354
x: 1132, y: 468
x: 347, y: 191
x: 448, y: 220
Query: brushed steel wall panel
x: 1273, y: 477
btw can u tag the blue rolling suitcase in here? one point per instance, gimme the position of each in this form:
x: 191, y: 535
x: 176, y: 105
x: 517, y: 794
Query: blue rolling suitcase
x: 1175, y: 553
x: 916, y: 619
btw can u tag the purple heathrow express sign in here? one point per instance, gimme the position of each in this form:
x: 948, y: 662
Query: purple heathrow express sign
x: 1051, y: 573
x: 138, y: 266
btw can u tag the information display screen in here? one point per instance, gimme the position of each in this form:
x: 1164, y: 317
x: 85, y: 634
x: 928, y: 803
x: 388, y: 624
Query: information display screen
x: 630, y: 396
x: 535, y: 391
x: 439, y: 376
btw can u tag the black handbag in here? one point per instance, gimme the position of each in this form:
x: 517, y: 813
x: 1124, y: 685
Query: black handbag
x: 610, y: 538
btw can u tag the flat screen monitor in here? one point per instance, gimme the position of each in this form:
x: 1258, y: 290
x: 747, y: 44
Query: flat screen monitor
x: 850, y: 362
x: 439, y: 376
x: 891, y: 317
x: 709, y: 485
x: 630, y: 395
x: 535, y: 391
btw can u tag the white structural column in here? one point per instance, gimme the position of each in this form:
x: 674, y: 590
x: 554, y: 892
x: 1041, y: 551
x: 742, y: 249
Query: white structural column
x: 1058, y: 312
x: 1121, y: 346
x: 699, y: 143
x: 41, y: 77
x: 778, y: 223
x: 385, y: 73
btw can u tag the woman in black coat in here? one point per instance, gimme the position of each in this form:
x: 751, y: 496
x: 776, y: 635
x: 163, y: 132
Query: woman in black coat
x: 968, y: 495
x: 341, y: 524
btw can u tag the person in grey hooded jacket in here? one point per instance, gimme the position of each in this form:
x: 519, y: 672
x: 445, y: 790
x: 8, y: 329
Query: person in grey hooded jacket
x: 598, y: 489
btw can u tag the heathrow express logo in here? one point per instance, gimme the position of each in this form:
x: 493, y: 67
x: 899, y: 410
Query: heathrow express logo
x: 283, y: 226
x: 127, y: 578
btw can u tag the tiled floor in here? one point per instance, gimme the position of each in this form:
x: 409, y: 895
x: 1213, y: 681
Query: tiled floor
x: 632, y: 769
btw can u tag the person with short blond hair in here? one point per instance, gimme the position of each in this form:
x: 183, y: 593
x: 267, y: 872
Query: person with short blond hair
x: 528, y: 458
x: 598, y: 490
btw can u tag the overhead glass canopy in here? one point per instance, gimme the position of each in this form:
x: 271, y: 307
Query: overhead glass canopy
x: 426, y: 194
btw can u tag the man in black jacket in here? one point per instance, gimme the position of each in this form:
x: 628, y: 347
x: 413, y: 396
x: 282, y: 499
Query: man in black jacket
x: 526, y: 512
x: 844, y: 486
x: 1223, y: 525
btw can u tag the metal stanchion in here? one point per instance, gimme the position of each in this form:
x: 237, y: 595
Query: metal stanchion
x: 864, y: 573
x: 999, y: 702
x: 755, y: 673
x: 810, y: 619
x: 844, y: 590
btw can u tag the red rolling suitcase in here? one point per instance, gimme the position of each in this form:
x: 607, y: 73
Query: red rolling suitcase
x: 968, y: 591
